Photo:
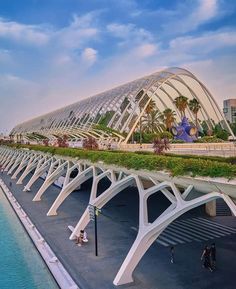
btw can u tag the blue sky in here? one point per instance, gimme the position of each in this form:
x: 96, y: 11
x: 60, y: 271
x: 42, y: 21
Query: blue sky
x: 55, y: 52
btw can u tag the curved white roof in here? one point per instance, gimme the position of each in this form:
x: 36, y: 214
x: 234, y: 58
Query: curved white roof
x: 119, y: 109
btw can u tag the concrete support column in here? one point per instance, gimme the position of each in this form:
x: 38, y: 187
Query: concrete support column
x: 210, y: 208
x: 69, y: 188
x: 30, y: 167
x: 50, y: 179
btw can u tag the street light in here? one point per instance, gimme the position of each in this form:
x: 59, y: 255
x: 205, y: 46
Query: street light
x: 93, y: 213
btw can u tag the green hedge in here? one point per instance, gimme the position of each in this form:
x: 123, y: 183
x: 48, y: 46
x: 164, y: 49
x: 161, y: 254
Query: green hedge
x: 176, y: 165
x: 209, y: 139
x: 229, y: 160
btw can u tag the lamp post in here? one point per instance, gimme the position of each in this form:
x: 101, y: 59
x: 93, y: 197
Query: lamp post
x: 93, y: 213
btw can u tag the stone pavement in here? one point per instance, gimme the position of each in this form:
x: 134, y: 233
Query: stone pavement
x: 115, y: 237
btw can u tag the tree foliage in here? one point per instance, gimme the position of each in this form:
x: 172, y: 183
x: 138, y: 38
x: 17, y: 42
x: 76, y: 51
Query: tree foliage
x: 209, y: 139
x: 46, y: 142
x: 152, y: 122
x: 181, y: 102
x: 62, y: 141
x: 104, y: 120
x: 90, y: 143
x: 194, y: 106
x: 168, y: 117
x: 161, y: 145
x: 176, y: 165
x: 150, y: 107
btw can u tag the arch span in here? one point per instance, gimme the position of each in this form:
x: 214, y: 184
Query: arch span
x: 120, y: 109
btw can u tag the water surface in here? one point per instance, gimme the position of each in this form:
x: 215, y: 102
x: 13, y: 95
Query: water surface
x: 21, y: 266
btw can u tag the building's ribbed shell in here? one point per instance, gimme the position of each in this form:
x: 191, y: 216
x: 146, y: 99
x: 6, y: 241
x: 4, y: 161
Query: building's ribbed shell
x: 119, y: 108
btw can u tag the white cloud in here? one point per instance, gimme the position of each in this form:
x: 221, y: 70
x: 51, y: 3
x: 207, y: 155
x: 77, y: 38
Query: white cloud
x: 218, y: 75
x: 129, y: 32
x: 80, y: 30
x: 189, y: 17
x: 73, y: 38
x: 207, y: 42
x: 146, y: 50
x: 83, y: 21
x: 120, y: 30
x: 89, y: 55
x: 9, y: 77
x: 63, y: 75
x: 32, y: 34
x: 20, y: 99
x: 206, y: 10
x: 63, y: 59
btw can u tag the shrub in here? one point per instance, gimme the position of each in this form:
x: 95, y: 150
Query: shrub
x: 90, y: 143
x: 177, y: 141
x: 62, y: 141
x: 161, y: 145
x: 222, y: 134
x: 149, y: 137
x: 209, y: 139
x: 46, y: 142
x: 143, y: 152
x: 176, y: 165
x: 200, y: 157
x: 166, y: 134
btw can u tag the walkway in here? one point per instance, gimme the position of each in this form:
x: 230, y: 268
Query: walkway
x: 115, y: 238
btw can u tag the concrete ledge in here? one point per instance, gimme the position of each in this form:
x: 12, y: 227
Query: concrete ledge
x: 62, y: 277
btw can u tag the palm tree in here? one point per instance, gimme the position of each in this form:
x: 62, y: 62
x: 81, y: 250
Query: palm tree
x: 168, y: 117
x: 194, y: 106
x: 152, y: 122
x: 181, y: 102
x: 150, y: 107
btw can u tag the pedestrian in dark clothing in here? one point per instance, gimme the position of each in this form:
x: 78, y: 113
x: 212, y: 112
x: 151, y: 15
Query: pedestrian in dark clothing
x: 10, y: 184
x: 80, y: 238
x: 213, y: 255
x: 172, y: 254
x: 206, y: 257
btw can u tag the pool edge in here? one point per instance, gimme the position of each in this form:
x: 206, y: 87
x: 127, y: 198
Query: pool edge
x: 56, y: 268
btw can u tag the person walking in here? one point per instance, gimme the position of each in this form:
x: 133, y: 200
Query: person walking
x: 172, y: 251
x: 206, y: 257
x: 213, y: 255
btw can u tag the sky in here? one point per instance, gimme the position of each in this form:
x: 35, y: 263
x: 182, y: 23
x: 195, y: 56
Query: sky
x: 56, y: 52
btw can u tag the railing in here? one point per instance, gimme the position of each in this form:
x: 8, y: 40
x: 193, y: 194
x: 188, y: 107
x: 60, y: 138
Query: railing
x: 221, y: 149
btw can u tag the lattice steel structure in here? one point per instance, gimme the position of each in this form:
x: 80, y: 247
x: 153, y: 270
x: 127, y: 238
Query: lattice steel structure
x: 121, y: 108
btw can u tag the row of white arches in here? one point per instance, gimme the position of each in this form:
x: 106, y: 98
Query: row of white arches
x: 23, y: 163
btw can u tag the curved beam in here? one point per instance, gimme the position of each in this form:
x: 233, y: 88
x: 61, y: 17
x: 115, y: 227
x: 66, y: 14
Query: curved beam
x: 69, y: 188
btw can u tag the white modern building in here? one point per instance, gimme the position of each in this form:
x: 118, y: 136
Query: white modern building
x: 119, y: 110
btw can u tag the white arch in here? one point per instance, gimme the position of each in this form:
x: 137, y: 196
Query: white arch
x: 57, y: 123
x: 148, y: 233
x: 52, y: 176
x: 69, y: 188
x: 42, y: 167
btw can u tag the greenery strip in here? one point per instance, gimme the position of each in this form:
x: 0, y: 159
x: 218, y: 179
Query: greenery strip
x: 175, y: 165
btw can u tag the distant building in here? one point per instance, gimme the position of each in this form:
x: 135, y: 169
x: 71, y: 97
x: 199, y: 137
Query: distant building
x: 230, y: 110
